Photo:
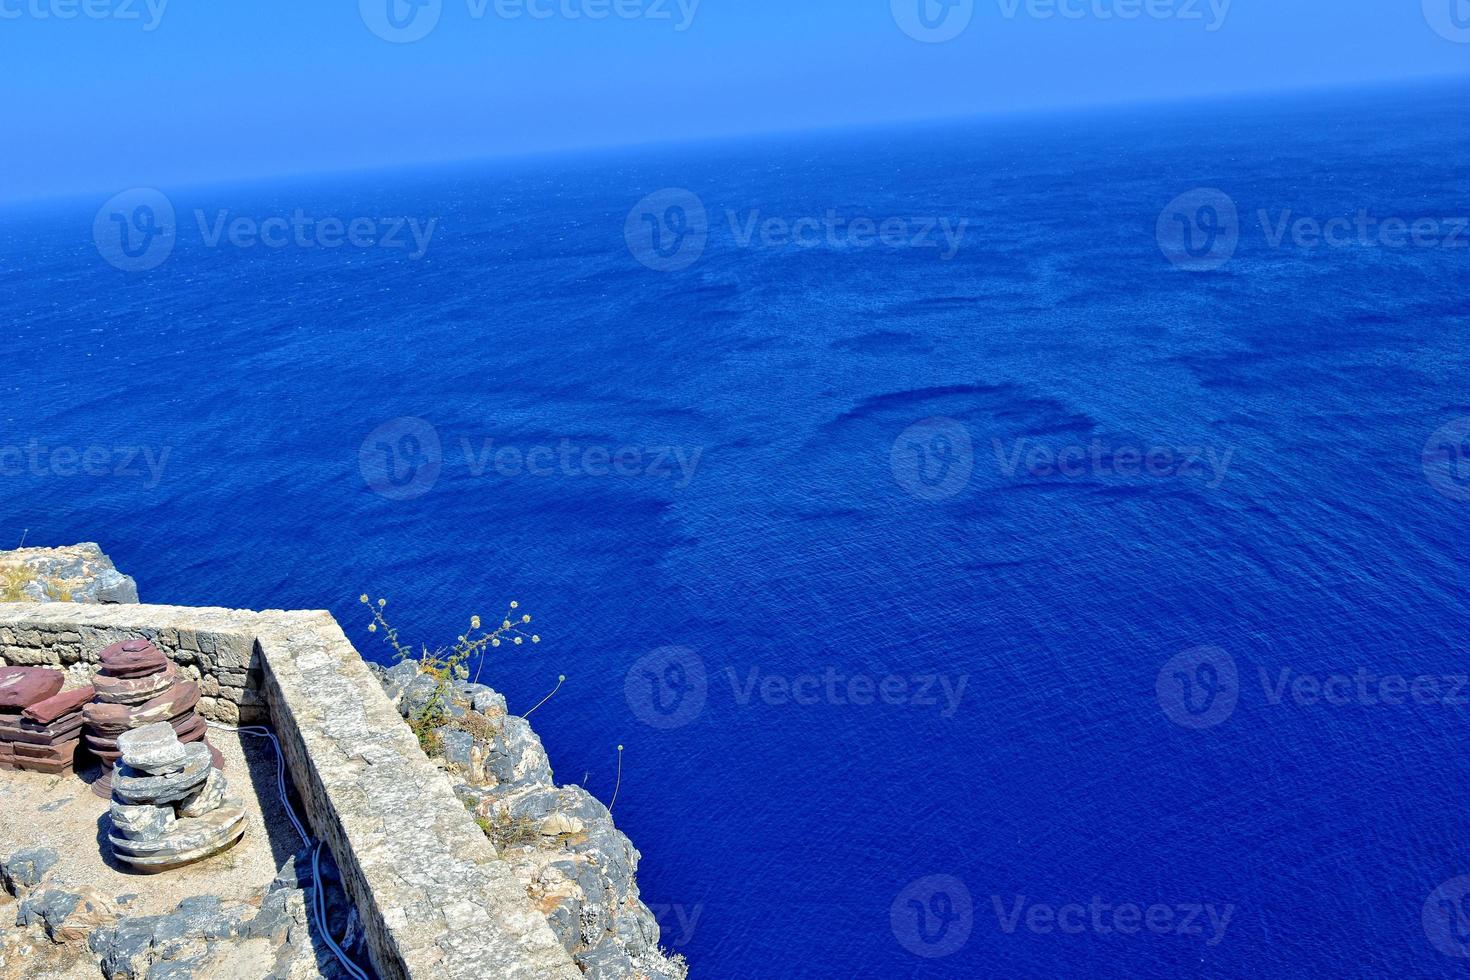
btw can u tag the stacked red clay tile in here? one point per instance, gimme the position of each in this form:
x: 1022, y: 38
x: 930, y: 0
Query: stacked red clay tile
x: 137, y: 685
x: 40, y: 726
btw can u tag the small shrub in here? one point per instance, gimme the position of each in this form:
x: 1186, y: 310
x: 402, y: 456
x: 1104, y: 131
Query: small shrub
x: 425, y: 728
x: 14, y: 580
x: 477, y: 725
x: 511, y: 832
x: 449, y: 666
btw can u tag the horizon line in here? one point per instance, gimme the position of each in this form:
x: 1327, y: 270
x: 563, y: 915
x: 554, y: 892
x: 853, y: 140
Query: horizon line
x: 874, y: 125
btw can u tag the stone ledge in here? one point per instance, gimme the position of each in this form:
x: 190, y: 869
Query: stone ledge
x: 73, y: 573
x: 436, y: 900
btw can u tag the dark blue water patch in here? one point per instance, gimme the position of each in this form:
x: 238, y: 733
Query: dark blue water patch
x: 882, y: 342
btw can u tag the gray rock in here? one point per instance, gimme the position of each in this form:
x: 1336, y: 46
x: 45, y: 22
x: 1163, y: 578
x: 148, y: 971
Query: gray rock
x: 468, y: 690
x: 472, y: 796
x: 459, y: 747
x: 138, y: 948
x: 66, y: 917
x: 275, y: 919
x: 141, y: 823
x: 51, y: 905
x: 516, y: 755
x: 75, y: 573
x: 295, y: 872
x: 207, y: 798
x: 566, y: 922
x: 125, y: 948
x: 190, y: 840
x: 398, y: 677
x: 637, y: 930
x: 417, y: 694
x: 605, y: 961
x: 574, y: 863
x: 489, y: 703
x: 591, y: 882
x: 25, y: 869
x: 203, y: 917
x: 178, y: 970
x: 577, y: 866
x: 153, y: 749
x: 113, y: 587
x: 203, y: 937
x: 133, y: 787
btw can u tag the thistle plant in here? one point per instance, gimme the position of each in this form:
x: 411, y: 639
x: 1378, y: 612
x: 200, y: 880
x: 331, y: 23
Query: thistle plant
x: 448, y: 665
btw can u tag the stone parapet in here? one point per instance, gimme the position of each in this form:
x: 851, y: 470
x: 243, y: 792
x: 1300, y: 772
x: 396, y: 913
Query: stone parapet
x: 435, y: 898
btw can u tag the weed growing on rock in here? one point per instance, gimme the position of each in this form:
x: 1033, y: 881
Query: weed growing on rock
x: 509, y: 832
x: 13, y: 586
x: 560, y: 680
x: 448, y: 665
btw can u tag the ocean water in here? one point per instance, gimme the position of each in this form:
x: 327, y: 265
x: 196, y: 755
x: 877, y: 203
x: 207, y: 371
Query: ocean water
x: 891, y: 685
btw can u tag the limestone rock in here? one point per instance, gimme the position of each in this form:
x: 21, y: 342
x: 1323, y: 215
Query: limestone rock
x: 133, y: 787
x: 463, y: 753
x: 75, y: 573
x: 559, y: 841
x: 141, y: 822
x: 67, y: 917
x: 207, y: 798
x: 417, y: 694
x: 397, y: 678
x: 154, y: 749
x: 148, y: 947
x: 189, y: 841
x: 206, y: 939
x: 490, y: 703
x: 24, y: 870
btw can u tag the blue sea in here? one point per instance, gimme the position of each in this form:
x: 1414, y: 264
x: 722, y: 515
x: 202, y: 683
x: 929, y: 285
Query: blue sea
x: 1087, y: 600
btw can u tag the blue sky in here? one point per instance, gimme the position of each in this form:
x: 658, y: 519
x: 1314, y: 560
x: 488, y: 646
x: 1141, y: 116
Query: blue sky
x: 159, y: 92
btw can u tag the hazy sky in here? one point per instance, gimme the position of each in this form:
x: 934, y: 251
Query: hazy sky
x: 114, y: 93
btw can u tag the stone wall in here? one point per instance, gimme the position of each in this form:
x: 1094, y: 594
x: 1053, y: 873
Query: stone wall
x: 435, y: 898
x: 215, y: 647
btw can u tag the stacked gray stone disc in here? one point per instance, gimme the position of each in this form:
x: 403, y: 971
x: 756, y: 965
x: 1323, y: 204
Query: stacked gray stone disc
x: 137, y: 685
x: 168, y: 802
